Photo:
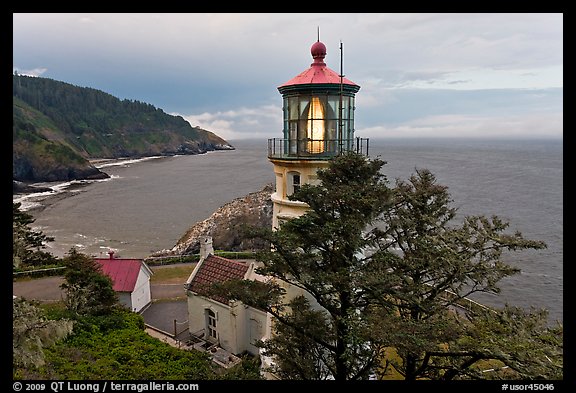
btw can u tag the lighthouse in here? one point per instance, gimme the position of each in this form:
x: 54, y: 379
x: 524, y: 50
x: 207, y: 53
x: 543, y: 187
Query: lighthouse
x: 318, y: 125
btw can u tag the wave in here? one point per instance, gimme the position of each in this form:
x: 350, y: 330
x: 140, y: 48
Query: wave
x: 121, y: 161
x: 33, y: 200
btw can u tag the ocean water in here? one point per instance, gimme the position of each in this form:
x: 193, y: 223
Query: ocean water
x: 147, y: 205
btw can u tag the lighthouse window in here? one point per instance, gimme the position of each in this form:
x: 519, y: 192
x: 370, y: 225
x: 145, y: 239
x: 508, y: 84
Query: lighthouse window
x: 292, y: 182
x: 293, y: 108
x: 293, y: 138
x: 318, y: 124
x: 315, y: 126
x: 295, y: 183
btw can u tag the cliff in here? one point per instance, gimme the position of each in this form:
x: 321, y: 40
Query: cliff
x: 59, y: 127
x: 225, y: 225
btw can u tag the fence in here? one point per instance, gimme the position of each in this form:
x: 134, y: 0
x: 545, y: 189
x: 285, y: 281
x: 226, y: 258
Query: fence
x: 174, y: 259
x: 51, y: 271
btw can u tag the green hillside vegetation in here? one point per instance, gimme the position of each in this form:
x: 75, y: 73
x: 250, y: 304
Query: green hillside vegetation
x: 116, y: 346
x: 58, y: 127
x: 89, y: 335
x: 41, y: 150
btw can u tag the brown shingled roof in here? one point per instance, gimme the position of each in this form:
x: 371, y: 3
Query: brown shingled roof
x: 215, y: 269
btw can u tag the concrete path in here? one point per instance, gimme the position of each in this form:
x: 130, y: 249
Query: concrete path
x: 45, y: 289
x: 169, y: 316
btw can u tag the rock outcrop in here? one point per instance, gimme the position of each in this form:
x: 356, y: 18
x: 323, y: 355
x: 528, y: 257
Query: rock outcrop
x: 23, y: 188
x: 226, y: 225
x: 29, y: 169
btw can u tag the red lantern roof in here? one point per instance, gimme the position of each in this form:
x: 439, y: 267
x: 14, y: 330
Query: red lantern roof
x: 318, y: 73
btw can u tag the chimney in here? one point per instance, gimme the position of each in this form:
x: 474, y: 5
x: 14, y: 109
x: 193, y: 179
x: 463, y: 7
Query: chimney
x: 111, y: 253
x: 206, y: 247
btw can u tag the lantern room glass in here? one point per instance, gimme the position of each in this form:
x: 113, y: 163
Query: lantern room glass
x: 312, y: 126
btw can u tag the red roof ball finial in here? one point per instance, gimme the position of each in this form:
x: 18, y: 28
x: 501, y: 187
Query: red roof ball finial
x: 318, y: 51
x: 318, y: 73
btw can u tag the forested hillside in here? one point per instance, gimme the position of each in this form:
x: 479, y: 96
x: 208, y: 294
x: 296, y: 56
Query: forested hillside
x: 58, y: 127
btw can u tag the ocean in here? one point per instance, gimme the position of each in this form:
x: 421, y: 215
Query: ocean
x: 148, y: 204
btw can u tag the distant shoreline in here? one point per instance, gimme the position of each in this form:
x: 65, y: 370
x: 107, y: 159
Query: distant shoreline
x: 37, y: 196
x: 54, y: 197
x: 28, y: 188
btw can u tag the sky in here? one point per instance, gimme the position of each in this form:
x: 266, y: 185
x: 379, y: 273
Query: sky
x: 421, y: 75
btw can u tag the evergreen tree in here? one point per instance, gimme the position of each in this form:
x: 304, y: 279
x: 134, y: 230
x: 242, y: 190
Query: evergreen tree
x: 27, y: 243
x: 319, y: 253
x: 432, y: 265
x: 88, y: 290
x: 369, y: 271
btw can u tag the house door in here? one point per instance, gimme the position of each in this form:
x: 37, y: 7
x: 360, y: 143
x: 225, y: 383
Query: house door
x: 211, y: 325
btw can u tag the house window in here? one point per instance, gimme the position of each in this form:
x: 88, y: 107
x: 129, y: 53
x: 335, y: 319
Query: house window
x: 211, y: 325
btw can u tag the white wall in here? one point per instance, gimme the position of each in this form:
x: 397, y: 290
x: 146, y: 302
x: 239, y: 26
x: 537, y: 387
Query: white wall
x: 258, y: 327
x: 293, y: 291
x: 197, y: 306
x: 238, y: 326
x: 141, y: 295
x: 125, y: 299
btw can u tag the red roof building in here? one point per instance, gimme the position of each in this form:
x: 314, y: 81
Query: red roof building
x: 130, y: 279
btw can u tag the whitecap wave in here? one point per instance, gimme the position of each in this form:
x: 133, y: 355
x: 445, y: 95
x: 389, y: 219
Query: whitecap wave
x: 33, y: 200
x: 124, y: 161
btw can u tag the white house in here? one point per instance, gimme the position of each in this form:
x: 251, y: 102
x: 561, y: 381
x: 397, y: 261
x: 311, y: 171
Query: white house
x: 131, y: 280
x: 232, y: 325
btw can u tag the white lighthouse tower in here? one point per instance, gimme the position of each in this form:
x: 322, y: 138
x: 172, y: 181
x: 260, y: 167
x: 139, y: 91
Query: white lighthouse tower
x: 318, y: 107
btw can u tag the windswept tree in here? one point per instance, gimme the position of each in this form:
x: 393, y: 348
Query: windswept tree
x: 523, y: 342
x: 88, y: 290
x: 320, y: 319
x: 432, y: 265
x: 369, y: 277
x: 27, y: 243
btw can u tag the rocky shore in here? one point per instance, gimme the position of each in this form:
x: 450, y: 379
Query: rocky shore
x: 23, y: 188
x: 226, y: 225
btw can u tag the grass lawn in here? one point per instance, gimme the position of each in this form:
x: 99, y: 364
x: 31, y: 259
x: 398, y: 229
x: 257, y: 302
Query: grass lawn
x: 171, y: 274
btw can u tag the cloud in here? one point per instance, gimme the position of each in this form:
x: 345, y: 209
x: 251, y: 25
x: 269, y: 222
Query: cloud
x: 373, y: 42
x: 407, y: 79
x: 428, y: 76
x: 33, y: 72
x: 542, y: 125
x: 86, y: 19
x: 457, y: 82
x: 414, y: 113
x: 398, y: 106
x: 491, y: 120
x: 221, y: 70
x: 261, y: 122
